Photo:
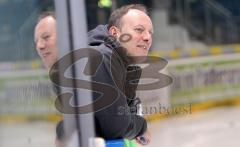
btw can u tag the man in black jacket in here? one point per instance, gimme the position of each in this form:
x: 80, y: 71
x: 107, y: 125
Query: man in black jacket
x: 128, y: 35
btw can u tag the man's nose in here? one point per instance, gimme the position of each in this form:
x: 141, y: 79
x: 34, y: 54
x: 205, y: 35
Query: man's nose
x: 40, y: 44
x: 147, y: 36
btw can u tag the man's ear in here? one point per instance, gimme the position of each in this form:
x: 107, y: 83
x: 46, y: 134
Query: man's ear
x: 113, y: 30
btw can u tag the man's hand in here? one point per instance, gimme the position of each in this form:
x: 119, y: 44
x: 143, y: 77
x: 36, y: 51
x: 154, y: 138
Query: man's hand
x: 144, y: 139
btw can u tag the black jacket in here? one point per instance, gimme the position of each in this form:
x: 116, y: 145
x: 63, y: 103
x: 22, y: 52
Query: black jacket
x: 115, y: 120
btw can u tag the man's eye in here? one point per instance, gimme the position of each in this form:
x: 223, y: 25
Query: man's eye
x: 46, y: 37
x: 139, y: 30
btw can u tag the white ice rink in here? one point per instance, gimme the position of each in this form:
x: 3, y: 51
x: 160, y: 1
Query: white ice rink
x: 219, y: 127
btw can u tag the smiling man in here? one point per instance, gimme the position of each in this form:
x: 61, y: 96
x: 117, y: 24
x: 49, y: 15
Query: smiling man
x: 138, y: 25
x: 46, y: 39
x: 127, y: 36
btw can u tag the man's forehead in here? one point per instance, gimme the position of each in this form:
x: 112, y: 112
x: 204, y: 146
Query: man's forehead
x: 48, y: 21
x: 44, y: 26
x: 135, y: 13
x: 135, y: 16
x: 45, y: 23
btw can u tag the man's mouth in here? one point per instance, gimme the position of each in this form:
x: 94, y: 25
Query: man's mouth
x: 45, y: 54
x: 144, y: 47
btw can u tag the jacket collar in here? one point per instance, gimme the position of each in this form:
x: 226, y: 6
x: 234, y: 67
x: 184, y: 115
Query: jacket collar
x: 112, y: 42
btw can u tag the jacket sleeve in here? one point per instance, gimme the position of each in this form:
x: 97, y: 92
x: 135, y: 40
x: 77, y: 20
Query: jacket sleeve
x: 115, y: 120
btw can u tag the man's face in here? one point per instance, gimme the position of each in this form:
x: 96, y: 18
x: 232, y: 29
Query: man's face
x: 137, y: 24
x: 45, y: 40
